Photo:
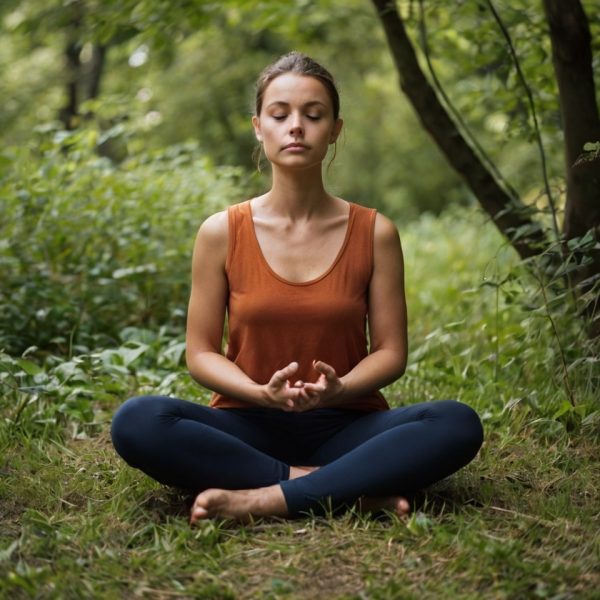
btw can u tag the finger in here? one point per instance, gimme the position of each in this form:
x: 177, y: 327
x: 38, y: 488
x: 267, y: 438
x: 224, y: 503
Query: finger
x: 325, y: 369
x: 315, y: 388
x: 299, y: 384
x: 307, y: 404
x: 289, y: 407
x: 304, y: 395
x: 282, y: 375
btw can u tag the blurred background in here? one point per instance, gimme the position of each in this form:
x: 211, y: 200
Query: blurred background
x: 149, y: 75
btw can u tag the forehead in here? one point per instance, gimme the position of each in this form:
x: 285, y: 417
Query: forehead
x: 294, y: 88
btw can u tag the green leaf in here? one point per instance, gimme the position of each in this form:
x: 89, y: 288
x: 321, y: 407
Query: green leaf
x: 29, y: 367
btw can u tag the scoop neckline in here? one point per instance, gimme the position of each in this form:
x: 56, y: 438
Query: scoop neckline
x: 331, y: 267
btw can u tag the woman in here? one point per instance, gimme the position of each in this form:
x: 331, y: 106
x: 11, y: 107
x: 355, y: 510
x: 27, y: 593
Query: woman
x: 296, y: 422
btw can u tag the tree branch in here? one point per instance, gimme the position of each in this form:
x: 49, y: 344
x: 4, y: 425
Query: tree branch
x: 536, y: 126
x: 509, y: 214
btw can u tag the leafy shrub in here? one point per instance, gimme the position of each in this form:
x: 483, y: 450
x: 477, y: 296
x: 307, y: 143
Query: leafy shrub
x: 88, y: 248
x: 78, y: 394
x: 485, y: 330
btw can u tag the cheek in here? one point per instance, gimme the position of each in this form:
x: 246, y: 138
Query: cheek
x: 269, y: 132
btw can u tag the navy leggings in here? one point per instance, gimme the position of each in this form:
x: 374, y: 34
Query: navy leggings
x: 383, y: 453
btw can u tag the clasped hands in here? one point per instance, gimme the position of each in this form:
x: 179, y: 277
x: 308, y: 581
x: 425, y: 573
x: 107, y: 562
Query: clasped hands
x: 301, y: 396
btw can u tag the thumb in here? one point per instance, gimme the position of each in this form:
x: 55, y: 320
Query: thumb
x: 282, y: 375
x: 325, y: 369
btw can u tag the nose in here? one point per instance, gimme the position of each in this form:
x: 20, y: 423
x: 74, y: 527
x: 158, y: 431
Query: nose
x: 296, y: 125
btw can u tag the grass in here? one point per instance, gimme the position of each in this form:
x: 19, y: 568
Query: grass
x: 521, y: 521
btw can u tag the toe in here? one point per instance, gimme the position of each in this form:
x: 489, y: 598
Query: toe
x: 403, y: 507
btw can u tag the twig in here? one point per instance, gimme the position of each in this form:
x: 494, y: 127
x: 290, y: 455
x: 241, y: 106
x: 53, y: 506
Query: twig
x: 560, y: 346
x: 524, y: 515
x: 455, y: 113
x: 536, y: 127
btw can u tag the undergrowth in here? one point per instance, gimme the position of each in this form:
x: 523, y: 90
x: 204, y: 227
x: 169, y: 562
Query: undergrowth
x: 94, y: 262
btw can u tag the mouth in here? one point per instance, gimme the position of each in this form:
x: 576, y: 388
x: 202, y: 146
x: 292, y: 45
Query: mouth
x: 295, y: 146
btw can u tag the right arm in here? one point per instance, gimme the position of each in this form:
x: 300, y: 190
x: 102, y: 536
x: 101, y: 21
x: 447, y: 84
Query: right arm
x: 204, y: 330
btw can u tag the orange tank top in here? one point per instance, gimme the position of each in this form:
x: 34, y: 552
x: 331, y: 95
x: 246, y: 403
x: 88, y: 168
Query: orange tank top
x: 272, y: 321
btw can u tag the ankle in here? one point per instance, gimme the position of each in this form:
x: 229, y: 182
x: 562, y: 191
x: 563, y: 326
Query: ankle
x: 271, y: 502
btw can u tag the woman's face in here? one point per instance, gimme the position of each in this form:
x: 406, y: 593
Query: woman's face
x: 296, y: 123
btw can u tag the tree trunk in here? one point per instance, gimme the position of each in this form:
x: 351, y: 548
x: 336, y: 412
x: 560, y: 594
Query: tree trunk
x: 95, y: 70
x: 508, y: 212
x: 83, y: 79
x: 69, y: 113
x: 572, y: 58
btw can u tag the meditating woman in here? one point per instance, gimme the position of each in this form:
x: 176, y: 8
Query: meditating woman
x: 312, y: 289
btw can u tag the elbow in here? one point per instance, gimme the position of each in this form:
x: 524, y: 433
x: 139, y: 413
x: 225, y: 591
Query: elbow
x: 399, y: 365
x: 400, y: 370
x: 193, y: 361
x: 393, y: 362
x: 189, y: 361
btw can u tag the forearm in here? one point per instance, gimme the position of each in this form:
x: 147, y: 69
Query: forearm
x: 374, y: 372
x: 217, y: 373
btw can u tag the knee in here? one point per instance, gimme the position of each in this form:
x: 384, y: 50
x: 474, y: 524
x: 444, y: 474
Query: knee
x: 465, y: 423
x: 130, y: 424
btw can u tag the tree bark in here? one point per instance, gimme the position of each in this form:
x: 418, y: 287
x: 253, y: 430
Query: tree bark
x: 70, y: 112
x: 572, y: 58
x: 508, y: 212
x: 95, y: 71
x: 83, y: 79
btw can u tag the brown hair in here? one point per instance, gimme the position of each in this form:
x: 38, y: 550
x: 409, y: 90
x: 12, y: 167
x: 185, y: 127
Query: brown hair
x: 296, y: 62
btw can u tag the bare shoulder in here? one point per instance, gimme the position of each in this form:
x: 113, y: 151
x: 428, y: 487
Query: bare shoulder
x: 386, y: 232
x: 215, y: 228
x: 211, y: 240
x: 387, y: 251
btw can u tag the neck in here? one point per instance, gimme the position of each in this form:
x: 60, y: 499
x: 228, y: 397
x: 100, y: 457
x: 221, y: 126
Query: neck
x: 298, y: 194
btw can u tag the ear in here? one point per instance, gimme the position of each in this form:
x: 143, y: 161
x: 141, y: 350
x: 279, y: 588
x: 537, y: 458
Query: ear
x: 335, y: 132
x: 256, y: 125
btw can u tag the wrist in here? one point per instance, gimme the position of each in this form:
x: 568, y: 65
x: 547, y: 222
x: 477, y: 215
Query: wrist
x: 342, y: 393
x: 261, y: 395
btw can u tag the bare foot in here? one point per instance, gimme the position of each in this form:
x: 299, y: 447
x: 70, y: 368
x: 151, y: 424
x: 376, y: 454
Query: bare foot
x: 241, y: 505
x: 396, y: 504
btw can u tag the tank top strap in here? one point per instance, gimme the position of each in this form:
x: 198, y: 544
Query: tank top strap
x: 240, y: 232
x: 359, y: 251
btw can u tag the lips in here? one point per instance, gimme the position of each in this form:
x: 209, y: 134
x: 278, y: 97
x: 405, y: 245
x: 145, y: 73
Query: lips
x: 295, y: 146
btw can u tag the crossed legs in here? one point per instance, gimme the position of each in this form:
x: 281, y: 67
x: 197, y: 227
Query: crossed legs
x: 243, y: 463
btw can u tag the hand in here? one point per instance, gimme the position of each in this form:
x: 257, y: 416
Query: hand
x: 281, y: 394
x: 327, y: 387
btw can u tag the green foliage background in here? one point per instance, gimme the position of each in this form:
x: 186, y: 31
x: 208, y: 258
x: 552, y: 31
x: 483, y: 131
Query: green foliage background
x: 186, y: 73
x: 96, y: 230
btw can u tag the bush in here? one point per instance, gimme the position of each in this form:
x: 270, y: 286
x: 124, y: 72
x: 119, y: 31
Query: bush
x: 88, y: 247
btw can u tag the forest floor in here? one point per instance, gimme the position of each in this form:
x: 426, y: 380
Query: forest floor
x: 520, y: 522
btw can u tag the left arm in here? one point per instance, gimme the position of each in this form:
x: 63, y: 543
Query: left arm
x: 387, y: 319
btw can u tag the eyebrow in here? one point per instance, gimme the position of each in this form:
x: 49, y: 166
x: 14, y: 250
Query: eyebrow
x: 306, y: 104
